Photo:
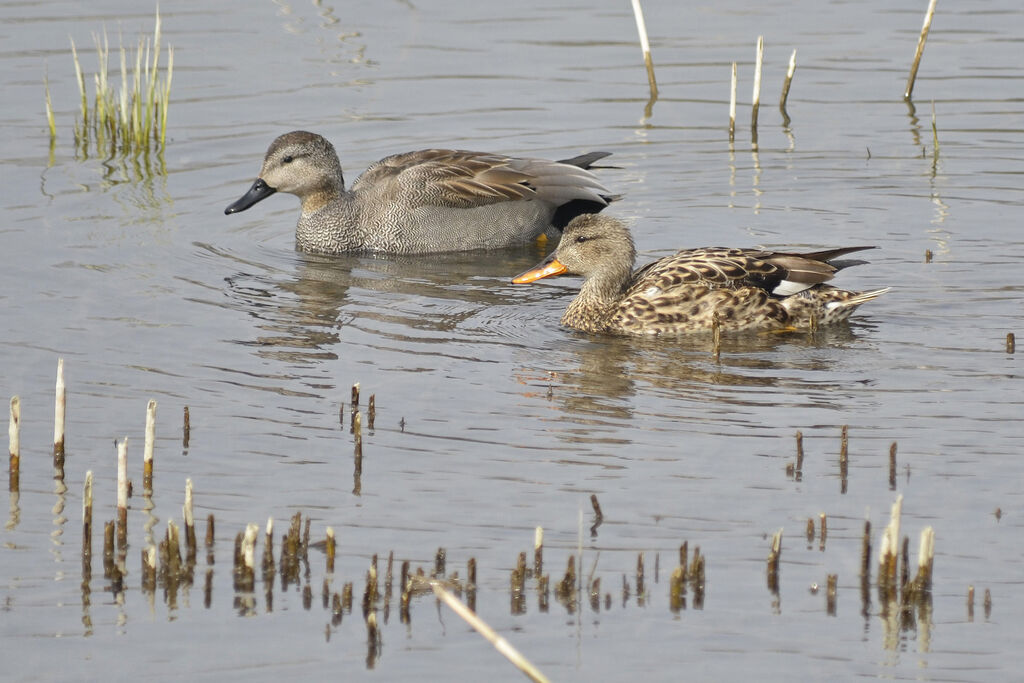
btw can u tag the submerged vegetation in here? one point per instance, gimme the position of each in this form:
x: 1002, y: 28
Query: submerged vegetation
x: 131, y: 119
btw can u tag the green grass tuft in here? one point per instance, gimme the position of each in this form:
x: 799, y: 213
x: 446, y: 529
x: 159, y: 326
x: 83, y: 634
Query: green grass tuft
x: 132, y: 119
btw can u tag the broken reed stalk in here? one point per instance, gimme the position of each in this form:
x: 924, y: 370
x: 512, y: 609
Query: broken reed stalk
x: 1011, y: 343
x: 790, y: 71
x: 645, y: 46
x: 799, y: 451
x: 824, y: 532
x: 186, y: 428
x: 481, y: 627
x: 732, y: 105
x: 122, y: 493
x: 188, y: 514
x: 147, y: 451
x: 371, y: 411
x: 538, y: 552
x: 892, y: 466
x: 87, y: 527
x: 925, y: 559
x: 888, y: 554
x: 844, y: 459
x: 832, y: 583
x: 50, y: 122
x: 330, y: 550
x: 773, y: 562
x: 756, y: 99
x: 920, y: 50
x: 865, y: 569
x: 14, y: 446
x: 59, y: 411
x: 355, y: 402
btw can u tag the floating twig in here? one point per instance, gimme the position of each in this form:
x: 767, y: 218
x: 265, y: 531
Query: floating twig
x: 920, y: 50
x: 499, y: 643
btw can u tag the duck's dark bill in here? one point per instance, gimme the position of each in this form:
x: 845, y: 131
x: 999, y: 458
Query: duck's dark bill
x: 259, y: 191
x: 546, y: 269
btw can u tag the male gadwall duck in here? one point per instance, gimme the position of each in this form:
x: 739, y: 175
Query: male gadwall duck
x: 433, y: 200
x: 743, y: 289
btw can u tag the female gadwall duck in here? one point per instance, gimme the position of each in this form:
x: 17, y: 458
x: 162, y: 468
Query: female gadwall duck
x: 433, y: 200
x: 743, y: 289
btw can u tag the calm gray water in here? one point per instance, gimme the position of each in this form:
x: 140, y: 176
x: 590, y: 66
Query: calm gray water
x: 491, y: 419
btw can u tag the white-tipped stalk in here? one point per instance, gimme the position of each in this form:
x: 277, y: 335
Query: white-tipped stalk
x: 14, y: 428
x: 147, y: 452
x: 122, y: 474
x: 59, y: 409
x: 732, y: 104
x: 919, y: 52
x: 790, y: 71
x: 756, y: 97
x: 645, y: 45
x: 50, y: 122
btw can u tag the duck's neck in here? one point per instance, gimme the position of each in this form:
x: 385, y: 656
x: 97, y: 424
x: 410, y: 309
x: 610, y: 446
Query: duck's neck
x: 597, y: 302
x: 330, y: 223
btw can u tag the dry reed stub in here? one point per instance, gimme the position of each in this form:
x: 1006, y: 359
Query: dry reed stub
x: 186, y: 429
x: 543, y: 592
x: 904, y: 581
x: 59, y: 412
x: 108, y: 548
x: 268, y: 552
x: 925, y: 27
x: 844, y: 460
x: 928, y: 255
x: 824, y: 531
x: 865, y: 569
x: 684, y: 558
x: 987, y: 604
x: 149, y: 569
x: 640, y: 586
x: 594, y: 590
x: 799, y: 453
x: 677, y: 590
x: 330, y: 550
x: 538, y: 551
x: 970, y: 603
x: 832, y: 583
x: 87, y: 527
x: 188, y: 517
x: 786, y: 84
x: 888, y: 554
x: 811, y: 530
x: 697, y: 578
x: 371, y: 411
x: 566, y: 588
x: 354, y: 405
x: 922, y: 582
x: 147, y: 451
x: 14, y: 446
x: 521, y: 566
x: 774, y: 554
x: 1011, y: 344
x: 336, y: 609
x: 440, y: 558
x: 209, y: 539
x: 892, y: 466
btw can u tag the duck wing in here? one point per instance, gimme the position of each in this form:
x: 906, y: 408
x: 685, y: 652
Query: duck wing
x: 463, y: 179
x: 778, y: 273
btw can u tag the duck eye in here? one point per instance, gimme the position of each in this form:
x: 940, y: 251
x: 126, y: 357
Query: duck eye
x: 288, y: 159
x: 581, y: 239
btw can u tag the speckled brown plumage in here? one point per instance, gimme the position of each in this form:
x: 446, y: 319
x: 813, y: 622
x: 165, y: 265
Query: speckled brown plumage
x: 432, y: 200
x: 743, y: 289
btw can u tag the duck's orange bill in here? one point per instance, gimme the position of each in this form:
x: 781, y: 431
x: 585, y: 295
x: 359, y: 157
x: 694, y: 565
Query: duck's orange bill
x: 546, y: 269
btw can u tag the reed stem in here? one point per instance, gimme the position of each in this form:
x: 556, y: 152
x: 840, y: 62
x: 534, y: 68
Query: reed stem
x: 919, y: 52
